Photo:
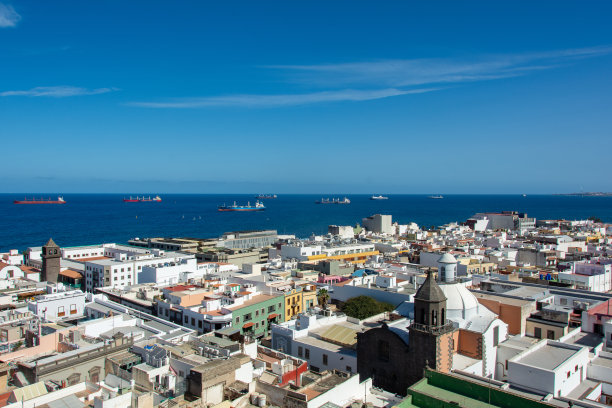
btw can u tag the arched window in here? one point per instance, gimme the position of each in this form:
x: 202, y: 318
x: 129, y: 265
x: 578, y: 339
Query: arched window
x: 434, y: 317
x: 443, y: 318
x: 423, y: 317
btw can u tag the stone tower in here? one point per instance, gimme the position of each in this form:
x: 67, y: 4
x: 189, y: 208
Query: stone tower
x: 51, y: 258
x: 431, y: 335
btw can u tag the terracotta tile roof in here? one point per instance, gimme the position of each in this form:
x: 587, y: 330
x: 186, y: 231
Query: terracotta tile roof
x: 71, y: 273
x: 29, y: 269
x: 179, y: 288
x: 3, y: 265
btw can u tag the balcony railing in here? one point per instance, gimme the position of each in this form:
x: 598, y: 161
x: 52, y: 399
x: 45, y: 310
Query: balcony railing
x: 448, y: 326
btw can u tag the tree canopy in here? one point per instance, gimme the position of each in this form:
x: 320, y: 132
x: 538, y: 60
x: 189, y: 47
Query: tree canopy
x: 362, y: 307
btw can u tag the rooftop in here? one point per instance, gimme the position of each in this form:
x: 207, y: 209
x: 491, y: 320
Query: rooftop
x: 550, y: 356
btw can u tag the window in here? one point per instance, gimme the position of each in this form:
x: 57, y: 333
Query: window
x: 576, y: 368
x: 247, y: 317
x: 495, y: 335
x: 537, y: 333
x: 307, y: 354
x: 568, y: 374
x: 300, y: 351
x: 257, y: 325
x: 324, y: 359
x: 238, y: 319
x: 349, y: 369
x: 383, y: 350
x: 257, y: 313
x: 186, y: 320
x: 199, y: 324
x: 73, y: 309
x: 550, y: 334
x: 60, y: 311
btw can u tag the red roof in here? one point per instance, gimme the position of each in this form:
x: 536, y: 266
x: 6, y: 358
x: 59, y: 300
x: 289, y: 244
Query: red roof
x: 4, y: 399
x: 604, y: 309
x: 71, y: 273
x: 3, y: 265
x: 179, y: 288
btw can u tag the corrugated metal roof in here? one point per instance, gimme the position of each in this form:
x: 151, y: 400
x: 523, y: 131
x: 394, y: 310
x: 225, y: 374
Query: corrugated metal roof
x: 340, y: 335
x: 30, y: 391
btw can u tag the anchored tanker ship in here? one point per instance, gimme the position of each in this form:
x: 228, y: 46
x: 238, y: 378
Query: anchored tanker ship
x: 60, y: 200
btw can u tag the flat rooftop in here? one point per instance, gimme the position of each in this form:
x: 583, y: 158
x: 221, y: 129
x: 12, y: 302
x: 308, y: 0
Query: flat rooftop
x: 507, y: 300
x: 548, y: 357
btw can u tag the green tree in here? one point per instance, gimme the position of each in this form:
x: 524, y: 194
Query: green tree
x: 323, y: 298
x: 362, y: 307
x: 595, y: 219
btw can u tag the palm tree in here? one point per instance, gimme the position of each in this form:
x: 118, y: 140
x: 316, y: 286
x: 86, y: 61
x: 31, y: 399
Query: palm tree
x: 323, y: 298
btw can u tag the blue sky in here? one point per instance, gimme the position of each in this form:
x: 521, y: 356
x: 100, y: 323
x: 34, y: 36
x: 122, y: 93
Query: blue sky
x: 305, y: 97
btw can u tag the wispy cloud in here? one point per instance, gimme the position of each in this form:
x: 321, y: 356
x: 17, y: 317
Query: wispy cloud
x: 57, y: 91
x: 8, y: 16
x: 280, y: 100
x: 431, y: 71
x: 363, y: 81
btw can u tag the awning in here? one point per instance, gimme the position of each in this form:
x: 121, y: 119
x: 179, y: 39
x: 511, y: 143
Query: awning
x: 247, y: 325
x: 272, y: 316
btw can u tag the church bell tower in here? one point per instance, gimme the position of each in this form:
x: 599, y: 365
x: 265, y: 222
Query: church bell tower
x: 431, y: 335
x: 51, y: 261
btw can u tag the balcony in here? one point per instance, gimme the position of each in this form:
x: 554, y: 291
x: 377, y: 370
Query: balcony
x: 448, y: 326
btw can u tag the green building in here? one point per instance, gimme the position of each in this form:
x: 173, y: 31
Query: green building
x: 255, y: 316
x: 439, y: 390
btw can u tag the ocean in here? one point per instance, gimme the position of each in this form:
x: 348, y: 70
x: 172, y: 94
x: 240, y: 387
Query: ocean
x: 92, y: 219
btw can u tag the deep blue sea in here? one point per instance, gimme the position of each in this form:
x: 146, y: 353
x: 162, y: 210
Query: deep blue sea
x: 90, y: 219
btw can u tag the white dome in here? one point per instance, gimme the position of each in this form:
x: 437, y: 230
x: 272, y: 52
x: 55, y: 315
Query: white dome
x: 460, y: 302
x: 447, y: 258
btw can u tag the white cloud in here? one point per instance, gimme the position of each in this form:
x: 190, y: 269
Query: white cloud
x: 57, y: 91
x: 280, y: 100
x: 430, y: 71
x: 8, y: 16
x: 388, y: 78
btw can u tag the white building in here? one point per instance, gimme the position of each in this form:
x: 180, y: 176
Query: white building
x: 378, y: 224
x: 549, y: 367
x: 122, y: 266
x: 58, y: 303
x: 12, y: 257
x: 326, y: 343
x: 595, y: 276
x: 168, y: 273
x: 342, y: 231
x: 299, y: 251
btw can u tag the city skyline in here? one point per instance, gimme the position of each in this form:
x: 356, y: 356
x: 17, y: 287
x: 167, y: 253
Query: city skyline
x: 304, y: 97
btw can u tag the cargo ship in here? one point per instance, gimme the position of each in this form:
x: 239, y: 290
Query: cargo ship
x: 379, y: 197
x: 142, y: 199
x: 266, y: 196
x: 60, y: 200
x: 257, y: 207
x: 436, y: 197
x: 333, y: 201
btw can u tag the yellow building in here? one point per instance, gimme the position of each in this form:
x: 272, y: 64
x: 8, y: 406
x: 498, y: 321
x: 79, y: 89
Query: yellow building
x: 309, y: 296
x: 293, y: 303
x: 352, y: 257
